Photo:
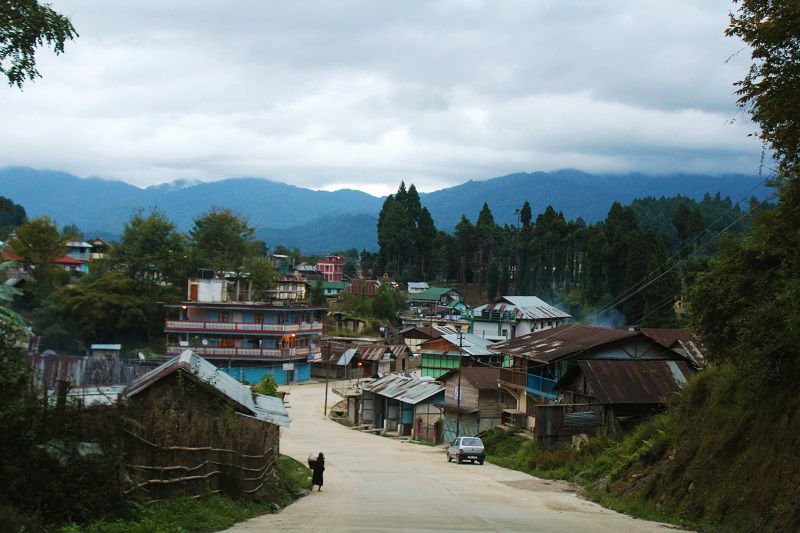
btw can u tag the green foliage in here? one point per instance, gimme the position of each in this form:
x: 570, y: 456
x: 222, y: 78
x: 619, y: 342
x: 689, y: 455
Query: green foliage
x: 151, y: 249
x: 212, y: 513
x: 25, y: 26
x: 38, y: 243
x: 769, y: 91
x: 11, y: 217
x: 222, y: 240
x: 267, y: 386
x: 317, y: 294
x: 261, y: 273
x: 111, y: 307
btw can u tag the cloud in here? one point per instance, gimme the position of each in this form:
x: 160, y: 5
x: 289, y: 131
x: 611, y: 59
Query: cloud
x: 363, y: 94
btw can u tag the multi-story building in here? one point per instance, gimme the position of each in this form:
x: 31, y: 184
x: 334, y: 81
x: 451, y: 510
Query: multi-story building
x: 332, y: 268
x: 513, y: 316
x: 222, y: 321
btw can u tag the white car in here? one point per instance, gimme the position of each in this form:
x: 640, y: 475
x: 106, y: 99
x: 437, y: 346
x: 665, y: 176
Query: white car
x: 466, y: 449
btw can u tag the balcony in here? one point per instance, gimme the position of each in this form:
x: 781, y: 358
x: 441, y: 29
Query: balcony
x: 514, y: 377
x: 242, y: 327
x: 541, y: 384
x: 212, y: 352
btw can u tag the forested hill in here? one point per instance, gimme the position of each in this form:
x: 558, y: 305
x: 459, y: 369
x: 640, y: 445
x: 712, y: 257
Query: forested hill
x: 321, y: 220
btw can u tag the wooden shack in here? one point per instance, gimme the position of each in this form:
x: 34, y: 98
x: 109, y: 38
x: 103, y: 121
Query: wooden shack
x: 475, y: 404
x: 192, y: 429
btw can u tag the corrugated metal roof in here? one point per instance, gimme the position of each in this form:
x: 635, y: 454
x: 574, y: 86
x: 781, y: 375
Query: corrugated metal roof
x: 346, y: 356
x: 682, y: 340
x: 203, y: 371
x: 417, y: 285
x: 272, y: 410
x: 480, y: 377
x: 634, y: 381
x: 550, y: 345
x: 106, y: 347
x: 431, y: 294
x: 470, y: 343
x: 524, y: 308
x: 404, y: 387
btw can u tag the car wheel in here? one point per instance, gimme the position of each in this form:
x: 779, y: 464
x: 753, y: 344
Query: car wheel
x: 480, y: 461
x: 449, y: 459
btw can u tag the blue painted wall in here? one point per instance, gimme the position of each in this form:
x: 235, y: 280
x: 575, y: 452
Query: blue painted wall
x: 253, y: 374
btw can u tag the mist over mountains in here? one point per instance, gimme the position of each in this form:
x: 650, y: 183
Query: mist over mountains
x: 320, y: 221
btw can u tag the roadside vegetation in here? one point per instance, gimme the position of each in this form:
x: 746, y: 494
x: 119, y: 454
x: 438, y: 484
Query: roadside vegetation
x: 212, y: 513
x: 715, y: 460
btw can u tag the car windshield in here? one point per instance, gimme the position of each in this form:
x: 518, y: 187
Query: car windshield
x: 471, y: 441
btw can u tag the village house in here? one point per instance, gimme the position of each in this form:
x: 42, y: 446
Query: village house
x: 682, y: 341
x: 344, y: 323
x: 509, y: 317
x: 442, y: 354
x: 67, y: 263
x: 366, y: 288
x: 554, y: 375
x: 437, y: 301
x: 402, y: 404
x: 415, y: 287
x: 333, y: 289
x: 308, y: 272
x: 413, y: 336
x: 290, y: 287
x: 340, y: 360
x: 473, y: 402
x: 245, y: 335
x: 332, y: 268
x: 78, y: 249
x: 99, y: 249
x: 181, y: 420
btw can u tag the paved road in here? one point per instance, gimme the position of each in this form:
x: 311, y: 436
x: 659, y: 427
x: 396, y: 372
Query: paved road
x: 375, y: 484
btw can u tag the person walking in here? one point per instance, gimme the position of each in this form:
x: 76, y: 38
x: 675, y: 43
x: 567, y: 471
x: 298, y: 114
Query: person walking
x: 318, y: 467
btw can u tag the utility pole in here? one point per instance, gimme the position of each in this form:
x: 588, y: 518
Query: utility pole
x: 327, y: 377
x: 458, y: 399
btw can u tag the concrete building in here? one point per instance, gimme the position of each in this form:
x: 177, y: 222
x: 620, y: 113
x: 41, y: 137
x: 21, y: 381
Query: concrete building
x: 222, y: 321
x: 332, y: 268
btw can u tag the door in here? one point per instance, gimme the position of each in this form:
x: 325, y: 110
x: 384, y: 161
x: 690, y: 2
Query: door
x: 193, y: 292
x: 368, y: 408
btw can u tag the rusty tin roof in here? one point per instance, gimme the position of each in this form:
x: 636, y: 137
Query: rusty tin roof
x: 406, y: 388
x: 634, y: 382
x: 552, y: 344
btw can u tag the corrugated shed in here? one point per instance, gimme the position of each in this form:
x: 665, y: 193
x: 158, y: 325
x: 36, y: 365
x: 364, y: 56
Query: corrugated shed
x: 431, y: 294
x: 480, y: 377
x: 203, y: 372
x: 550, y: 345
x: 682, y: 340
x: 272, y: 410
x: 366, y: 287
x: 470, y: 343
x: 634, y: 382
x: 524, y: 308
x: 346, y: 357
x: 404, y: 387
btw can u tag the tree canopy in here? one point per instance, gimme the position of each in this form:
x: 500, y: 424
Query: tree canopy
x: 26, y: 25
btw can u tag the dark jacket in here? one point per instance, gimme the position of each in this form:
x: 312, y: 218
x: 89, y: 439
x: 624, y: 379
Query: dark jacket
x: 318, y: 467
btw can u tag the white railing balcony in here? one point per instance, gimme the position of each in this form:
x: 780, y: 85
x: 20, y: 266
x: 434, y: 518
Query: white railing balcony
x: 242, y: 327
x: 244, y: 353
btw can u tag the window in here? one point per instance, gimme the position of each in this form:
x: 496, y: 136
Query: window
x: 223, y: 316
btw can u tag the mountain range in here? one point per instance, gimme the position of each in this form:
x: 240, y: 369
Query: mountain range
x: 320, y: 221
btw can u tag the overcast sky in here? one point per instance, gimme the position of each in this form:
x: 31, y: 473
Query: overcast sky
x: 362, y: 94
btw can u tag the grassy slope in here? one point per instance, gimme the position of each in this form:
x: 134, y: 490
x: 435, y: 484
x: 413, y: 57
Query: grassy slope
x: 212, y: 513
x: 719, y: 459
